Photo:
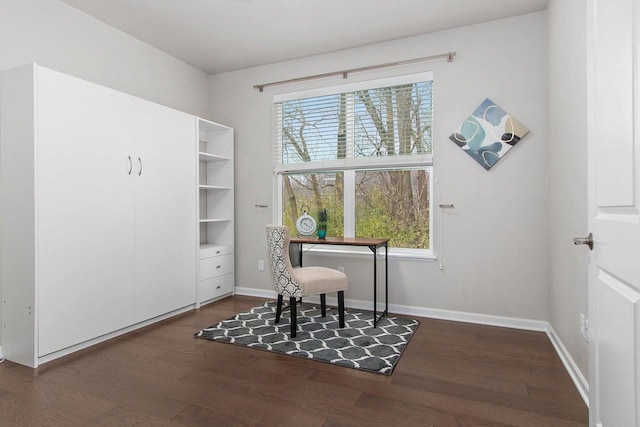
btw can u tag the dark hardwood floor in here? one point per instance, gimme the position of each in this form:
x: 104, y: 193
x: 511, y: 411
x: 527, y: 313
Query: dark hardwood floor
x: 451, y: 374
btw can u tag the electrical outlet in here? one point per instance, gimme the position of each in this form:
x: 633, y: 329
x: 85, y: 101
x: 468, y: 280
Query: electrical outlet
x: 583, y: 326
x: 341, y: 268
x: 261, y: 265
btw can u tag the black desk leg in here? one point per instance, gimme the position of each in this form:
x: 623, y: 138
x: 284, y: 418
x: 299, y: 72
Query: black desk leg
x: 375, y: 285
x: 386, y: 279
x: 374, y: 249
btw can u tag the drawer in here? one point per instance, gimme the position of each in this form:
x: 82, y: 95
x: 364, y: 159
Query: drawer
x: 211, y: 250
x: 216, y: 266
x: 215, y: 287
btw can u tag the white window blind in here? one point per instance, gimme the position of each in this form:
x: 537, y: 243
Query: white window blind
x: 388, y: 125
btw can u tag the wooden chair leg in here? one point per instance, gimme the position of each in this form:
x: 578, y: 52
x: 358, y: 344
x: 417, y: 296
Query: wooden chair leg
x: 341, y: 308
x: 279, y: 309
x: 323, y: 304
x: 294, y: 317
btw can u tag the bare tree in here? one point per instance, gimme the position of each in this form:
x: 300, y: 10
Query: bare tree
x: 384, y: 117
x: 295, y: 137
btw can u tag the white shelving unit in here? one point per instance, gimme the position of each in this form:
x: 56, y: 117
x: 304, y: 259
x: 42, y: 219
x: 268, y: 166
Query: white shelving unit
x: 216, y: 211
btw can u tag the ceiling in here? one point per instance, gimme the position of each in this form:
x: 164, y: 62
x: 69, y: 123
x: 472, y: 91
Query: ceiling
x: 226, y: 35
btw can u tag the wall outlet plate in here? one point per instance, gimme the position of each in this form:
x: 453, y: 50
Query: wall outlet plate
x: 586, y: 330
x: 261, y: 265
x: 584, y: 327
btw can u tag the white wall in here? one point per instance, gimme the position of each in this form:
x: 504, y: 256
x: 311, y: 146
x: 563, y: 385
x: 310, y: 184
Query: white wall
x: 568, y: 173
x: 57, y: 36
x: 496, y: 240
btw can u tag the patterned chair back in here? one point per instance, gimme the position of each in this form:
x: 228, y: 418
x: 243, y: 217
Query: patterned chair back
x: 281, y: 269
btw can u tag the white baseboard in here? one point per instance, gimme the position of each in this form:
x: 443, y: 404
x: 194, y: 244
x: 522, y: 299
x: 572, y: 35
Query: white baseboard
x: 1, y: 357
x: 480, y: 319
x: 459, y: 316
x: 570, y: 365
x: 252, y: 292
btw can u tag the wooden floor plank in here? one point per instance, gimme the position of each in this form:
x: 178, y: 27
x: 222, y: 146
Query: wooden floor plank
x: 550, y: 408
x: 197, y: 416
x: 451, y: 374
x: 123, y: 417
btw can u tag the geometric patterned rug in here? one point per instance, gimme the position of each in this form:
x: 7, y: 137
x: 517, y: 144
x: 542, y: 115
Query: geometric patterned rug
x: 358, y: 345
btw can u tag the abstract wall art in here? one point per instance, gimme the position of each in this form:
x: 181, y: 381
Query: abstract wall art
x: 488, y: 133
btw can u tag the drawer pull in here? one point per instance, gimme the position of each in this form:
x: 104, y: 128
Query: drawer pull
x: 218, y: 287
x: 218, y: 251
x: 217, y: 267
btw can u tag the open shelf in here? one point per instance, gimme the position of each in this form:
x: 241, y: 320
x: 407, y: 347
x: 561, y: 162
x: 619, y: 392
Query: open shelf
x: 215, y: 220
x: 207, y: 157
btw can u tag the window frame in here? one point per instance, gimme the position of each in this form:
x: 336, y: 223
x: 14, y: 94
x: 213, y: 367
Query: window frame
x: 352, y: 165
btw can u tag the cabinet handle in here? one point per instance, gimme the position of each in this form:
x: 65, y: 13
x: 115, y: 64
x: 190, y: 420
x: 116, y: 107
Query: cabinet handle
x: 130, y: 165
x: 140, y: 163
x: 218, y: 287
x: 218, y: 267
x: 217, y: 252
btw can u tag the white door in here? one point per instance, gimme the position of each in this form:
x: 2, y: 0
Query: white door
x: 84, y: 210
x: 165, y: 209
x: 614, y: 213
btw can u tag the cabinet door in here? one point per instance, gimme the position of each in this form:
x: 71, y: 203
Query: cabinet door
x: 84, y: 208
x: 165, y: 204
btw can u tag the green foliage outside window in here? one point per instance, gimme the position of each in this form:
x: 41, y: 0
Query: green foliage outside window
x: 381, y: 211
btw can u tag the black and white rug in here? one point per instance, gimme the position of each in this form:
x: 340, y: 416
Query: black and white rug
x: 358, y: 345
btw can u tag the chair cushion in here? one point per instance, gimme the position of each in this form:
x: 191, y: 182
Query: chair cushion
x: 320, y: 280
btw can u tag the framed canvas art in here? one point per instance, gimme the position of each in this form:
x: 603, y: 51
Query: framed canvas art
x: 488, y: 134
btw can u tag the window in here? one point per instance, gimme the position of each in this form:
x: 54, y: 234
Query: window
x: 363, y: 153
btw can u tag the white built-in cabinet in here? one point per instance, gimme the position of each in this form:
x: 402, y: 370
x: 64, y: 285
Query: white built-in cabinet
x: 216, y: 210
x: 97, y: 206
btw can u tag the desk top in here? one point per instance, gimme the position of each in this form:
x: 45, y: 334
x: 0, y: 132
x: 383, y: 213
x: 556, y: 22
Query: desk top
x: 346, y: 241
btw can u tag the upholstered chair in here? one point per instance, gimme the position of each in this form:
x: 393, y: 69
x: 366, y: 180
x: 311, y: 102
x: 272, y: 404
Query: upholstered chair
x: 301, y: 282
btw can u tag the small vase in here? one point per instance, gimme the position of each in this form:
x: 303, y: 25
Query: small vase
x: 322, y: 233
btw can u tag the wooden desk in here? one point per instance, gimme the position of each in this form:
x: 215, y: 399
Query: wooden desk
x: 372, y: 244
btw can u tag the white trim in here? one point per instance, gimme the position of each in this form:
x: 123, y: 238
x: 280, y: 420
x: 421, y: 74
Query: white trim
x: 415, y: 161
x: 253, y: 292
x: 479, y: 319
x: 349, y: 203
x: 353, y: 87
x: 404, y: 254
x: 570, y: 365
x: 432, y: 313
x: 278, y: 203
x: 459, y: 316
x: 1, y: 358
